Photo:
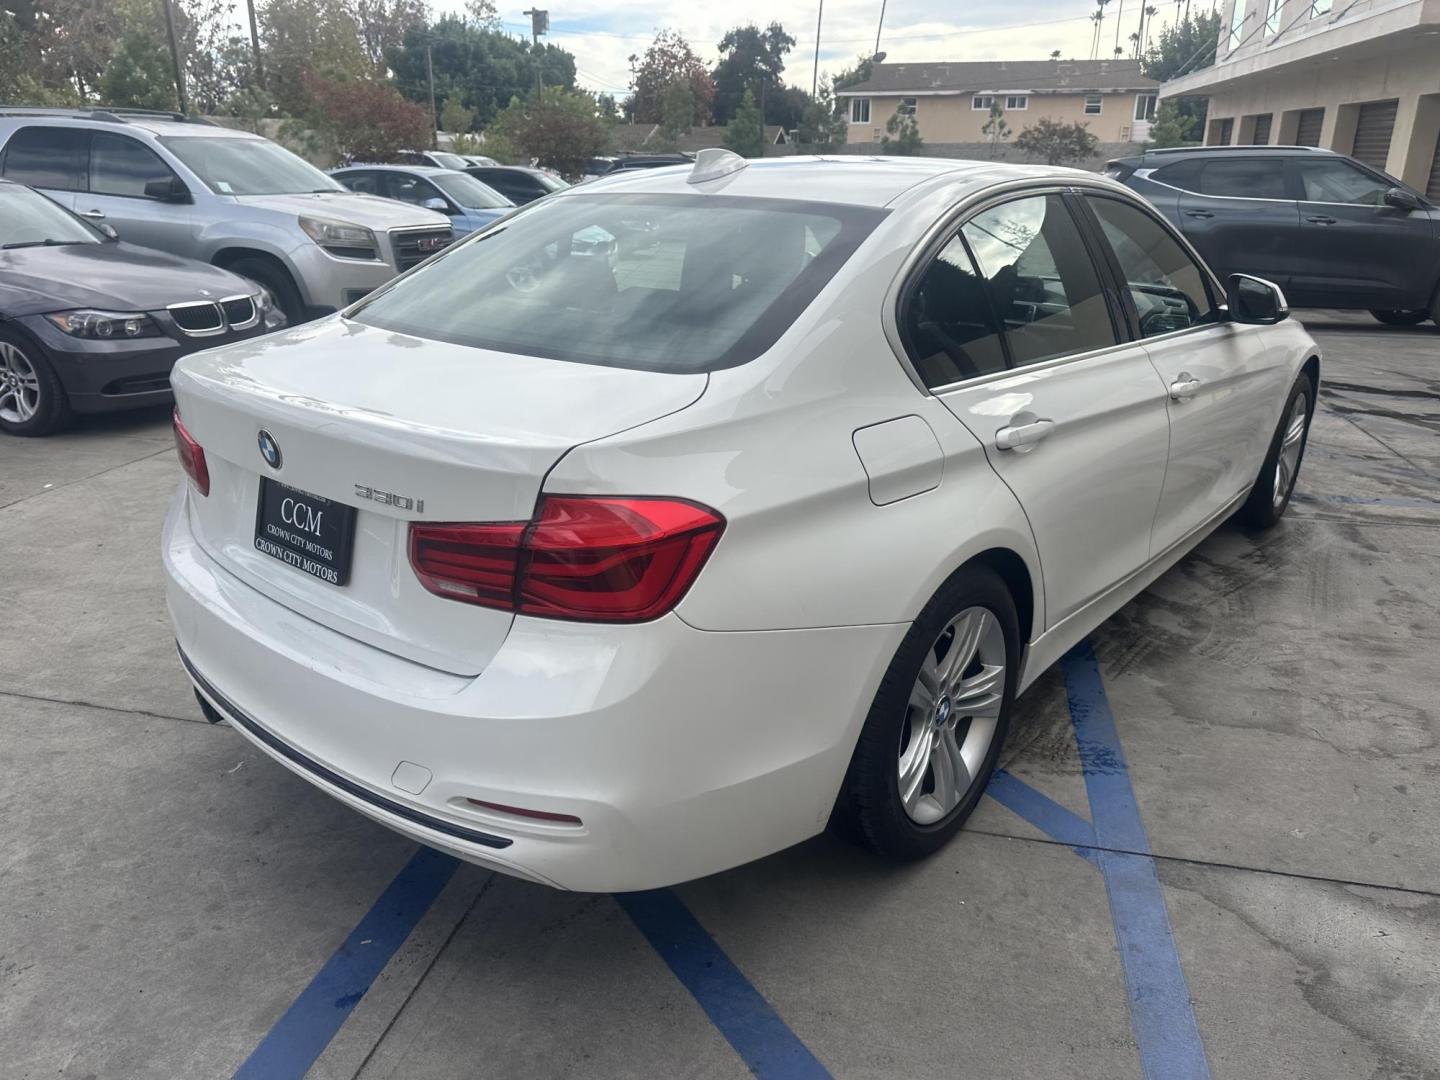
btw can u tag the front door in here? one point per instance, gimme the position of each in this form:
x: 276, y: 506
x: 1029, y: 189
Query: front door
x: 1221, y: 382
x: 1355, y: 250
x: 1010, y: 326
x: 120, y: 170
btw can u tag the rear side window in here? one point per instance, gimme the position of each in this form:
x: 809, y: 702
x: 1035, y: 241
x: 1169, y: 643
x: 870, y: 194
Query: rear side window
x: 678, y: 283
x: 363, y: 183
x: 1166, y: 284
x: 121, y: 166
x: 1255, y: 178
x: 1042, y: 284
x: 949, y: 328
x: 47, y: 157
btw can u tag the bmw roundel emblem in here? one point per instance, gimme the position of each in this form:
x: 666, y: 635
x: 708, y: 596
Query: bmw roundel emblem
x: 269, y: 449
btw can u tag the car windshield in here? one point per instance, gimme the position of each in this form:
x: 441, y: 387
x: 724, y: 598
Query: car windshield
x: 469, y: 192
x: 448, y: 161
x: 676, y: 283
x: 234, y: 166
x: 548, y: 182
x: 29, y: 219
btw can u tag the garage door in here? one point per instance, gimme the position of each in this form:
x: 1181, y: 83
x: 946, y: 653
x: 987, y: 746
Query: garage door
x: 1311, y: 122
x: 1432, y: 189
x: 1372, y: 133
x: 1262, y: 130
x: 1224, y: 130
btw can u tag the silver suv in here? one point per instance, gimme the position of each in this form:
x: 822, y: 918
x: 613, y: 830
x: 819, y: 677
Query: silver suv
x: 227, y: 197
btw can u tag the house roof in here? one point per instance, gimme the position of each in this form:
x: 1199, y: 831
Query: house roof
x: 980, y: 76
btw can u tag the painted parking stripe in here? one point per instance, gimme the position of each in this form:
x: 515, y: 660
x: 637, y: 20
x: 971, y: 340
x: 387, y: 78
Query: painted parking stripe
x: 1161, y: 1014
x: 301, y: 1035
x: 1043, y: 812
x: 767, y: 1046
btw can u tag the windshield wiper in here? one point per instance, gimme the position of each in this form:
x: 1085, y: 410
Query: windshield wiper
x: 41, y: 243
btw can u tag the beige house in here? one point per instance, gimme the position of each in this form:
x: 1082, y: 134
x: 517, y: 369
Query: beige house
x: 1361, y: 77
x: 951, y: 102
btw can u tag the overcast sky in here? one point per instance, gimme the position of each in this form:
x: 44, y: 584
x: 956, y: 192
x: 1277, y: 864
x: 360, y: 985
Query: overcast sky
x: 603, y: 33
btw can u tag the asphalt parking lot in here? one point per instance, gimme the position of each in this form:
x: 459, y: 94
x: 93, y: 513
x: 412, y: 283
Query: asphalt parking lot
x: 1212, y: 851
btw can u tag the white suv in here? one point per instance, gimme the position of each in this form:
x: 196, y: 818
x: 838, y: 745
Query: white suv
x: 226, y: 197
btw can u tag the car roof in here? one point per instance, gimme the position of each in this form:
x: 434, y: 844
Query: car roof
x: 122, y: 120
x: 422, y: 170
x: 865, y: 181
x: 1181, y: 152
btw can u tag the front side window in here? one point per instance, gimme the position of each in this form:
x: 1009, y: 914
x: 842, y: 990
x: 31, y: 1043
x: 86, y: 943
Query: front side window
x: 907, y: 106
x: 362, y: 183
x: 1166, y: 284
x: 677, y: 283
x: 1043, y: 287
x: 1335, y: 181
x: 860, y: 110
x: 982, y: 102
x: 1094, y: 103
x: 241, y: 166
x: 1239, y: 178
x: 948, y: 324
x: 119, y: 165
x: 1145, y: 106
x: 1017, y: 102
x: 47, y: 157
x: 470, y: 193
x: 28, y: 219
x: 411, y: 189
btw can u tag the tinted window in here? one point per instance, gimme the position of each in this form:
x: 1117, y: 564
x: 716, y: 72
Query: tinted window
x: 364, y: 183
x: 1168, y: 287
x: 518, y: 187
x: 469, y: 192
x: 47, y: 157
x: 656, y: 282
x: 1255, y: 178
x: 241, y: 166
x: 949, y: 327
x: 1040, y: 279
x: 121, y: 166
x: 27, y: 217
x: 1340, y: 182
x: 1183, y: 174
x: 411, y: 189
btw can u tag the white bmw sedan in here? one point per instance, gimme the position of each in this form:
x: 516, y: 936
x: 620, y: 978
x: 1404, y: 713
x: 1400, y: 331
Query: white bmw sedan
x: 679, y: 514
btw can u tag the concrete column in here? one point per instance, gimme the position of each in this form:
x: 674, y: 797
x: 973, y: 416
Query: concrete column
x: 1245, y: 131
x: 1412, y: 147
x: 1288, y: 129
x: 1338, y: 132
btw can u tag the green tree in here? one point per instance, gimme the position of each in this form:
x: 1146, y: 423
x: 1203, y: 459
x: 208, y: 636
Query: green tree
x: 139, y: 76
x: 751, y: 62
x: 668, y: 59
x: 365, y: 119
x: 1187, y: 46
x: 309, y: 39
x: 902, y: 136
x: 995, y: 129
x: 559, y: 128
x: 745, y: 134
x: 822, y: 122
x: 676, y: 114
x: 609, y: 109
x: 454, y: 117
x: 1057, y: 142
x: 1171, y: 126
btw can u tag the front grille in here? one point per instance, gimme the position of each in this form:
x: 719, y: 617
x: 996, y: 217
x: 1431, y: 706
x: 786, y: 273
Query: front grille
x: 198, y: 318
x: 239, y: 311
x: 414, y: 246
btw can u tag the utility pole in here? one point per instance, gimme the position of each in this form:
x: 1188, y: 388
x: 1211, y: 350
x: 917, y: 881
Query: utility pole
x: 434, y: 117
x: 880, y: 27
x: 255, y: 44
x: 815, y: 78
x: 539, y: 24
x: 175, y: 55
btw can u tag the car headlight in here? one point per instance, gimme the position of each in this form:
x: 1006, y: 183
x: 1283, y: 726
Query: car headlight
x: 341, y: 237
x: 101, y: 325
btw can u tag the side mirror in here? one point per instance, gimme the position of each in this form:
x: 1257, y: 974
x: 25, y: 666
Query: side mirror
x: 437, y: 204
x: 1401, y: 199
x: 167, y: 189
x: 107, y: 229
x: 1255, y: 300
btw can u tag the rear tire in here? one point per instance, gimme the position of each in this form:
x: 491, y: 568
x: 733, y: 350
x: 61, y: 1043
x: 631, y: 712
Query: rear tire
x: 277, y: 281
x: 211, y: 713
x: 32, y: 401
x: 1401, y: 318
x: 935, y: 730
x: 1270, y: 496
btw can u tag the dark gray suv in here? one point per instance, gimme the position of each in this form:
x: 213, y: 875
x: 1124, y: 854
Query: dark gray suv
x: 1328, y: 230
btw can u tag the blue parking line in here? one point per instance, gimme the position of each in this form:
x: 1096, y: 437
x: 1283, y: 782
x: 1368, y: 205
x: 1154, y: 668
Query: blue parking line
x: 767, y: 1046
x: 1161, y: 1014
x: 1043, y: 812
x: 302, y: 1033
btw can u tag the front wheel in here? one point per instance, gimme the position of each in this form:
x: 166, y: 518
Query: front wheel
x: 1401, y: 318
x: 32, y: 401
x: 1276, y: 482
x: 937, y: 724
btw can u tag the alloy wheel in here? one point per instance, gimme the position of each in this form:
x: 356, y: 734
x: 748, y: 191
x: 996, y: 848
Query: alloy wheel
x: 952, y: 715
x: 1291, y: 443
x: 19, y: 385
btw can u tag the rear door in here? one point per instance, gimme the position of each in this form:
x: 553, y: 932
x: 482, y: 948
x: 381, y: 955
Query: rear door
x: 1223, y: 386
x: 1241, y: 217
x: 119, y: 169
x: 1355, y: 250
x: 1011, y: 327
x: 50, y: 159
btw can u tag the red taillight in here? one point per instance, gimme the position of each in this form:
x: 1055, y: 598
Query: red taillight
x: 594, y: 559
x: 520, y: 811
x: 192, y: 457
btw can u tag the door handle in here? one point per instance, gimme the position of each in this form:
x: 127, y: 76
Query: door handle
x: 1184, y: 387
x: 1199, y: 213
x: 1322, y: 219
x: 93, y: 215
x: 1018, y: 435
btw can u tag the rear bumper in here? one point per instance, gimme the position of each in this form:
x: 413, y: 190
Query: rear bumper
x: 682, y: 752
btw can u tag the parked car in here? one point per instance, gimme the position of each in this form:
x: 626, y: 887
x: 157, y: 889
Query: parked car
x: 478, y: 160
x: 1328, y: 230
x: 649, y: 161
x: 616, y: 572
x: 436, y: 159
x: 466, y: 201
x: 88, y: 324
x: 518, y: 184
x: 224, y: 197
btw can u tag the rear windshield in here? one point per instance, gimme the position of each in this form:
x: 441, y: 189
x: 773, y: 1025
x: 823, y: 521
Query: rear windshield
x: 678, y: 283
